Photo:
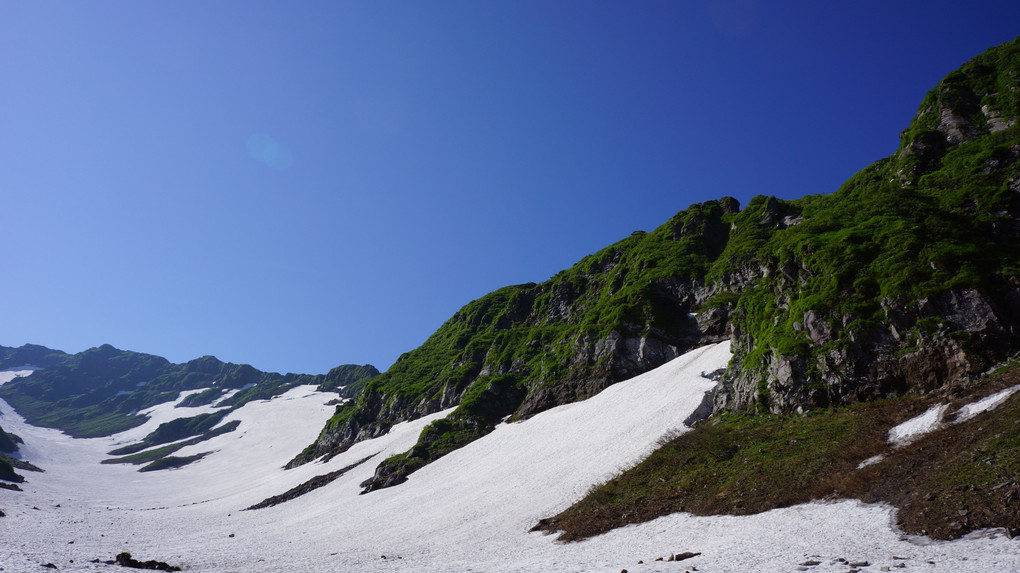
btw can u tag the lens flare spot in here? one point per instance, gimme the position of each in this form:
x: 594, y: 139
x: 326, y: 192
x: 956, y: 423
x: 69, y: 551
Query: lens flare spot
x: 267, y: 150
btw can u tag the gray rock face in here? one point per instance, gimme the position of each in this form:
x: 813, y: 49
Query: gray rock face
x: 919, y: 347
x: 818, y: 330
x: 995, y: 120
x: 612, y: 358
x: 956, y: 128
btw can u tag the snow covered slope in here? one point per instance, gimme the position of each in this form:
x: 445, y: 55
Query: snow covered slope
x: 8, y: 375
x: 469, y: 511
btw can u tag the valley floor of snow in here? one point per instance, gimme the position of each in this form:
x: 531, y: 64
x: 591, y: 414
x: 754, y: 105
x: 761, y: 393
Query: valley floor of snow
x: 469, y: 511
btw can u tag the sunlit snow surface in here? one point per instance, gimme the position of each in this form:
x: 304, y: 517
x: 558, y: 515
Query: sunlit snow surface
x: 970, y: 410
x: 8, y: 375
x: 918, y: 426
x: 469, y: 511
x: 935, y: 417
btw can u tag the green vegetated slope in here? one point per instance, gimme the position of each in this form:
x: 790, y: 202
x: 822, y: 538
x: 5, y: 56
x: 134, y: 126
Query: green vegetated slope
x: 8, y: 445
x: 904, y: 279
x: 154, y: 455
x: 913, y: 261
x: 99, y: 391
x: 7, y: 472
x: 347, y: 379
x: 959, y: 478
x: 525, y: 348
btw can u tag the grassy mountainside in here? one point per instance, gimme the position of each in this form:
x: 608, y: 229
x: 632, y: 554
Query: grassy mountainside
x: 100, y: 391
x: 904, y: 279
x: 957, y: 479
x: 928, y: 268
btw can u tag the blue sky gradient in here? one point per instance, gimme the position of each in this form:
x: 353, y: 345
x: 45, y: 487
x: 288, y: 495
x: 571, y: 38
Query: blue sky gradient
x: 300, y: 185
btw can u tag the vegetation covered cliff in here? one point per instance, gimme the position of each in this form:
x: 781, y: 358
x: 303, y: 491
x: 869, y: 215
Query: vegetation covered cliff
x: 904, y: 279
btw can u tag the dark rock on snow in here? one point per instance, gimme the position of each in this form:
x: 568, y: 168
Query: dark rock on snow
x: 125, y: 560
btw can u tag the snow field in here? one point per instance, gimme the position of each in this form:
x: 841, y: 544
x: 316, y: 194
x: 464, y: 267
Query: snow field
x: 469, y: 511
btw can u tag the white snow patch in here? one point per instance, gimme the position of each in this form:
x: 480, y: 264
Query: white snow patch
x: 918, y: 426
x: 8, y: 375
x: 224, y: 397
x: 871, y: 461
x: 470, y: 510
x: 970, y: 410
x: 931, y: 420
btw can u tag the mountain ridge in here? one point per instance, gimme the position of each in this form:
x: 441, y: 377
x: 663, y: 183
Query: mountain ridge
x: 900, y: 281
x: 99, y: 391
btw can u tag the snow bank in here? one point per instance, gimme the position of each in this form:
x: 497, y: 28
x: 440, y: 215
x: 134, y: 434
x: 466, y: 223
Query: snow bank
x: 932, y: 420
x: 918, y: 426
x: 970, y: 410
x: 469, y: 511
x: 871, y: 461
x: 8, y: 375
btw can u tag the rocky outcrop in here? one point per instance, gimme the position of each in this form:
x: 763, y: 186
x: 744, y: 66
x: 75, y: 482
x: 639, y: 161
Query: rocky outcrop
x: 973, y: 102
x: 8, y: 443
x: 124, y: 559
x: 7, y: 472
x: 918, y: 347
x: 306, y: 487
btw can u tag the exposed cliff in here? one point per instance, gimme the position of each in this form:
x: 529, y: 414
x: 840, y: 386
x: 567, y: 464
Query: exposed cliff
x: 905, y: 278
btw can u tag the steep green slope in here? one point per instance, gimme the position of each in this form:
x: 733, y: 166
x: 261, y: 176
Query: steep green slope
x: 904, y: 279
x: 525, y: 348
x: 8, y: 443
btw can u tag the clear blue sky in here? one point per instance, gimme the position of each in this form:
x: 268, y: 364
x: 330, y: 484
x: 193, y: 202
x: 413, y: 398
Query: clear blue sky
x: 298, y: 185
